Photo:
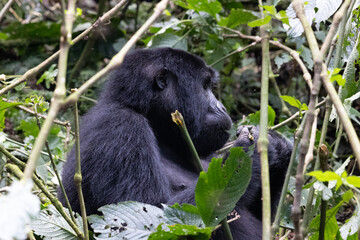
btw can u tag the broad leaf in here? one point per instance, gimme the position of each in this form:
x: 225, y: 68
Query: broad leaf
x: 126, y: 220
x: 351, y: 226
x: 51, y: 225
x: 169, y: 40
x: 185, y: 214
x: 218, y: 189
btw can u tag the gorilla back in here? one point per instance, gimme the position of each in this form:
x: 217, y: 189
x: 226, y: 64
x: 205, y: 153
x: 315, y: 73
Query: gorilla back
x: 131, y: 149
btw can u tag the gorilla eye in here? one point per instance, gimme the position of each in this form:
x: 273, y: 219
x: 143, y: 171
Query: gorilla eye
x: 207, y: 83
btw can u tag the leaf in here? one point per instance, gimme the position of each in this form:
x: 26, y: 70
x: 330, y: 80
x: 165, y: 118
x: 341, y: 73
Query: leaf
x: 260, y: 22
x: 3, y: 107
x: 353, y: 180
x: 212, y: 7
x: 51, y: 225
x: 270, y: 9
x: 283, y: 58
x: 294, y: 102
x: 292, y: 190
x: 295, y: 28
x: 331, y: 227
x: 185, y: 214
x: 254, y: 118
x: 351, y: 226
x: 271, y: 116
x: 236, y: 18
x: 330, y: 219
x: 126, y: 220
x: 178, y: 231
x: 169, y: 40
x: 219, y: 189
x: 327, y: 176
x: 326, y: 9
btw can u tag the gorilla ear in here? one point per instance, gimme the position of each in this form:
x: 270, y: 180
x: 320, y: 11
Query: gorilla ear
x: 162, y: 78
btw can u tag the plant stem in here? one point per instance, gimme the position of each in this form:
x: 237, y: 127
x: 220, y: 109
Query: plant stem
x: 298, y: 135
x: 179, y: 120
x: 78, y: 176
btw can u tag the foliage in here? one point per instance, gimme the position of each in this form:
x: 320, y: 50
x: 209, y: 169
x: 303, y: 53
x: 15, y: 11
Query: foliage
x: 30, y: 33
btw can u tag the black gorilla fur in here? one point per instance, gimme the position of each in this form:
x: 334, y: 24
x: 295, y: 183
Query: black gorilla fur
x: 131, y: 149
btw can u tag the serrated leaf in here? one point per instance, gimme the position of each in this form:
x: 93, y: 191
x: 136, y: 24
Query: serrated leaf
x: 218, y: 189
x: 126, y: 220
x: 51, y: 225
x: 260, y: 22
x: 283, y: 58
x: 179, y: 231
x: 186, y: 214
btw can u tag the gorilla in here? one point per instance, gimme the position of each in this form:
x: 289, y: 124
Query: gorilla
x: 131, y: 149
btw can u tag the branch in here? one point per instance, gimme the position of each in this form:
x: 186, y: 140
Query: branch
x: 28, y: 110
x: 119, y: 57
x: 30, y: 74
x: 334, y: 26
x: 5, y: 8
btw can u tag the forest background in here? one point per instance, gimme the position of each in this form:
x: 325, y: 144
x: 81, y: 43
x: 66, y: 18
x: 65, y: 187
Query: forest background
x: 298, y: 67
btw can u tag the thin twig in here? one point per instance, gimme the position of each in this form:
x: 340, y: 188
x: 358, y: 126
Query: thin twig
x: 334, y: 26
x: 31, y: 73
x: 5, y: 8
x: 56, y: 121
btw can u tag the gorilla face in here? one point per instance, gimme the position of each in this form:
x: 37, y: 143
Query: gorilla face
x: 185, y: 84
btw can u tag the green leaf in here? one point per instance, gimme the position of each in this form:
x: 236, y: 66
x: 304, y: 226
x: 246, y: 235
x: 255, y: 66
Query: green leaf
x: 186, y: 214
x: 283, y: 17
x: 212, y: 7
x: 353, y: 180
x: 260, y: 22
x: 236, y: 18
x: 29, y: 127
x: 51, y: 225
x: 292, y: 101
x: 271, y: 116
x: 270, y: 9
x: 331, y: 227
x: 3, y: 107
x: 326, y: 176
x: 169, y: 40
x: 254, y: 118
x: 178, y: 231
x: 219, y: 189
x: 126, y: 220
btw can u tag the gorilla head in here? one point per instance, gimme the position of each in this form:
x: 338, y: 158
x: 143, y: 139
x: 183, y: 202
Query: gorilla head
x: 157, y: 82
